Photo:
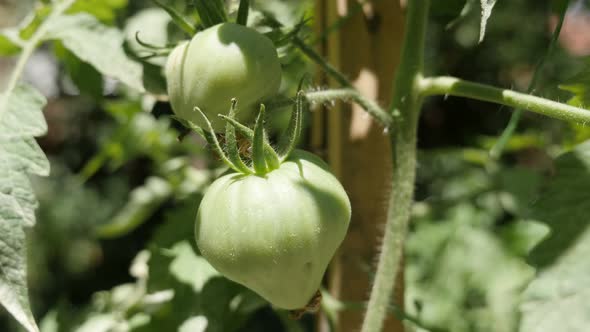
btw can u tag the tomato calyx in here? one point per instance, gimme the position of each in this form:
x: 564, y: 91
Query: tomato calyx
x: 264, y: 157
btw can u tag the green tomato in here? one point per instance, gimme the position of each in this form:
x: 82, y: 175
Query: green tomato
x: 276, y: 233
x: 220, y: 63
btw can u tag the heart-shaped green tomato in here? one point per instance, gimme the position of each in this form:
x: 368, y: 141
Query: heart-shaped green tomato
x: 220, y: 63
x: 275, y: 233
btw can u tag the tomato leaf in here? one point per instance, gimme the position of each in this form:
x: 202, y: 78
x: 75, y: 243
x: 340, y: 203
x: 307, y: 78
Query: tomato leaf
x: 20, y: 119
x: 557, y: 300
x: 486, y: 11
x: 105, y: 11
x: 98, y: 45
x: 8, y: 46
x: 579, y: 85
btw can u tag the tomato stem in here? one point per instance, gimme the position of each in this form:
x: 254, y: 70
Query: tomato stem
x: 405, y: 109
x: 378, y: 113
x: 243, y: 12
x: 452, y: 86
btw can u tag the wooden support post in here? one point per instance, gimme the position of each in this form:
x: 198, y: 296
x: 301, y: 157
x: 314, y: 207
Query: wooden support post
x: 366, y: 48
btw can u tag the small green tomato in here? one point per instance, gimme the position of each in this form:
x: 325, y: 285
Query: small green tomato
x: 275, y: 233
x: 220, y: 63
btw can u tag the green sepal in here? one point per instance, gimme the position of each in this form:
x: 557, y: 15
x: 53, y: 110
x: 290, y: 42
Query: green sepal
x: 289, y: 140
x: 232, y: 144
x: 272, y: 158
x: 212, y: 140
x: 243, y: 12
x: 211, y: 12
x: 177, y: 18
x: 258, y: 159
x: 247, y: 133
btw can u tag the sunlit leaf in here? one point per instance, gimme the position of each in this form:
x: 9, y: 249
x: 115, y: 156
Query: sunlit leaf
x: 98, y: 45
x: 20, y: 119
x: 486, y: 12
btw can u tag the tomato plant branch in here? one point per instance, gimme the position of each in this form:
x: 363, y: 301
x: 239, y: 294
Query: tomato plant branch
x: 456, y: 87
x: 28, y: 50
x: 348, y: 93
x: 405, y: 108
x: 367, y: 104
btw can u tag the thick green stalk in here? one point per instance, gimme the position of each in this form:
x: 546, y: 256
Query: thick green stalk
x: 406, y: 105
x: 456, y: 87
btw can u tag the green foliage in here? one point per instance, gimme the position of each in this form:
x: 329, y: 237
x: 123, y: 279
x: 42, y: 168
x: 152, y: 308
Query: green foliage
x: 124, y: 186
x: 97, y: 45
x: 104, y: 10
x: 7, y: 45
x: 579, y: 85
x: 20, y: 120
x: 557, y: 298
x: 467, y: 252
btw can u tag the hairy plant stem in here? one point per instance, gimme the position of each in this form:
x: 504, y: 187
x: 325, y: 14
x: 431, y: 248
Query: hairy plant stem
x: 456, y: 87
x: 405, y: 108
x: 379, y: 114
x: 28, y: 50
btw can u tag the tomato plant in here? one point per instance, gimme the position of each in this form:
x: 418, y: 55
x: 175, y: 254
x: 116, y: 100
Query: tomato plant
x: 212, y: 247
x: 222, y: 62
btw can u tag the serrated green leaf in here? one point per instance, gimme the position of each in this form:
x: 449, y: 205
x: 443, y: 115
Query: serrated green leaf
x: 98, y: 45
x: 87, y: 78
x: 21, y: 118
x: 13, y: 281
x: 557, y: 300
x: 486, y: 12
x: 20, y: 113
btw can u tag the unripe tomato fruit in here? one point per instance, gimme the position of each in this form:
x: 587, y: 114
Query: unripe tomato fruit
x: 220, y: 63
x: 275, y: 233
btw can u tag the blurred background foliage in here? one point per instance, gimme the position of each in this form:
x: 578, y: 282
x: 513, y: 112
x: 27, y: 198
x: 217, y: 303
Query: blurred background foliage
x: 113, y: 248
